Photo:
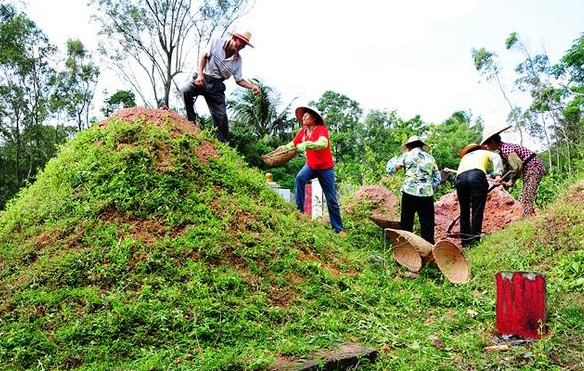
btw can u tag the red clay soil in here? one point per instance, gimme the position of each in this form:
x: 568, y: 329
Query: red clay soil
x: 171, y: 121
x: 500, y: 210
x: 383, y: 202
x: 168, y: 119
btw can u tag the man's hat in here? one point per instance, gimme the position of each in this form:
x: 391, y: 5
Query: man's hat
x: 471, y: 147
x: 301, y: 110
x: 489, y: 131
x: 245, y: 36
x: 415, y: 138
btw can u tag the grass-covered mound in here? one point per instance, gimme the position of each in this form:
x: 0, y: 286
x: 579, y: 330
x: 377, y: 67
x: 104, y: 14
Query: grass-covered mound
x: 145, y: 243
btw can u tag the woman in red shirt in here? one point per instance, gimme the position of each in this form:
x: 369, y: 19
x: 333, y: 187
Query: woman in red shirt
x: 313, y: 138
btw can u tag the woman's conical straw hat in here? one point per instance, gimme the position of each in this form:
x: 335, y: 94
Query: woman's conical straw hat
x: 409, y: 249
x: 384, y: 222
x: 451, y: 262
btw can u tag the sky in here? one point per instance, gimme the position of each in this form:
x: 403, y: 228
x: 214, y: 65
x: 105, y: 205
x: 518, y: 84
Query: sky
x: 411, y: 56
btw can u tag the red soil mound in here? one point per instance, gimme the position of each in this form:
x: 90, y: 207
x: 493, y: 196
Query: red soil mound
x: 501, y: 209
x: 383, y: 202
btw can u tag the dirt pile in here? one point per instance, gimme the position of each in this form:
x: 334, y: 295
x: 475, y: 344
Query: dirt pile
x: 501, y: 209
x: 146, y: 230
x: 164, y: 119
x: 383, y: 203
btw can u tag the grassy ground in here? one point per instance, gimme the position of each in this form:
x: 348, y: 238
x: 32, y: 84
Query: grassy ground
x: 141, y: 248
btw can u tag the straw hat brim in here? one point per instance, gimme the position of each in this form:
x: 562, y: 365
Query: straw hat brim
x: 384, y: 222
x: 300, y: 111
x: 409, y: 249
x: 414, y: 139
x: 451, y: 262
x: 467, y: 149
x: 493, y: 131
x: 242, y: 38
x: 425, y: 147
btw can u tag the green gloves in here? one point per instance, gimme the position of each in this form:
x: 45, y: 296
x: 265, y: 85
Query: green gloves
x: 321, y: 143
x: 302, y: 146
x: 288, y: 146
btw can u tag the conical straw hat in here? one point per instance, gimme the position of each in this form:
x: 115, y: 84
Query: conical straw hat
x: 409, y: 249
x: 384, y: 222
x: 489, y: 131
x: 451, y: 262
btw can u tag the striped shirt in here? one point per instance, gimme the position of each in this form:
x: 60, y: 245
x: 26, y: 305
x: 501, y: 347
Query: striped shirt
x: 218, y: 66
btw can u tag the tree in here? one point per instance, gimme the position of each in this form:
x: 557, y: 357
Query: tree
x: 75, y: 86
x: 532, y: 78
x: 570, y: 70
x: 342, y: 118
x: 485, y: 64
x: 383, y: 135
x: 25, y: 74
x: 260, y: 115
x: 449, y: 137
x: 156, y: 36
x: 120, y: 99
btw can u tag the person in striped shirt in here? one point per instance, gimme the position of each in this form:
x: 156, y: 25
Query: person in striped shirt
x: 218, y: 63
x: 532, y: 168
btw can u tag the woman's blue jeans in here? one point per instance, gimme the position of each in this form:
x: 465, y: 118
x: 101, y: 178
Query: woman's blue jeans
x: 326, y: 178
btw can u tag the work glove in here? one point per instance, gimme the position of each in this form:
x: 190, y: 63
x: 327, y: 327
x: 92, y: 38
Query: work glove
x: 302, y: 146
x: 287, y: 146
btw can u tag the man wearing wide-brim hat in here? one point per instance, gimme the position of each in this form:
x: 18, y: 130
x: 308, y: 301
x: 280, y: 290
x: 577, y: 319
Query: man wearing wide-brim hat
x: 530, y: 167
x: 221, y: 61
x: 421, y: 180
x: 472, y: 188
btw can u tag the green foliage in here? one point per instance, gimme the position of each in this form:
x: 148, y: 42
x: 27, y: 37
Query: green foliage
x: 449, y: 137
x: 140, y: 247
x: 572, y: 61
x: 120, y: 99
x: 26, y: 75
x: 75, y: 86
x: 484, y: 62
x: 259, y: 115
x: 157, y: 38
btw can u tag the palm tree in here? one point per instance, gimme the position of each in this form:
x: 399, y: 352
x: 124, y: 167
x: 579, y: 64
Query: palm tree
x: 259, y: 115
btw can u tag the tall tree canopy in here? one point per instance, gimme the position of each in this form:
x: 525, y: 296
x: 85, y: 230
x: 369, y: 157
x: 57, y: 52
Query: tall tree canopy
x: 158, y: 36
x: 26, y: 143
x: 75, y: 86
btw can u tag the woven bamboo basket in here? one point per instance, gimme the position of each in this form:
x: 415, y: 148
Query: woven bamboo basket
x: 279, y: 156
x: 451, y: 262
x: 384, y: 222
x: 409, y: 250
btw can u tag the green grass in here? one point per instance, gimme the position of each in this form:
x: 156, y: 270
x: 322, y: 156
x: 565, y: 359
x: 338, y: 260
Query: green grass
x: 133, y: 252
